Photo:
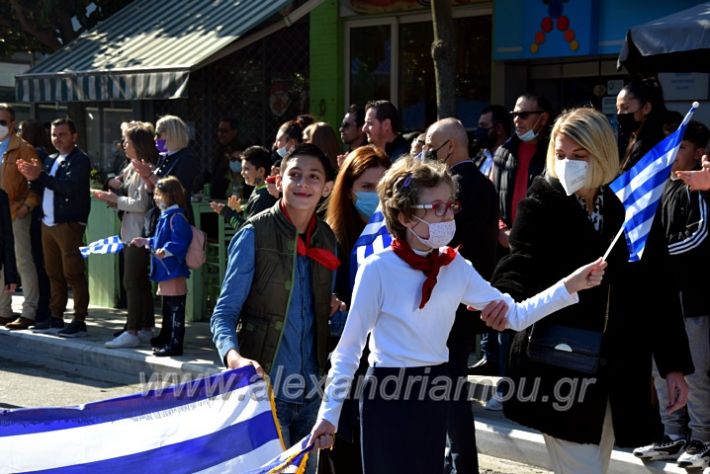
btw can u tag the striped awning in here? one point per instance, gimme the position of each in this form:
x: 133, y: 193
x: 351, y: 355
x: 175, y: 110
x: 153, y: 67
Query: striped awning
x: 148, y: 49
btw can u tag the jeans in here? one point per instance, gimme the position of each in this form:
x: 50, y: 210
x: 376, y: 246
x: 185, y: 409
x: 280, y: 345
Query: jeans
x: 297, y: 420
x: 696, y: 416
x: 26, y: 268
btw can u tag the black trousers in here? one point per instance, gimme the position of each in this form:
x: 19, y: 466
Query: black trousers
x: 403, y: 419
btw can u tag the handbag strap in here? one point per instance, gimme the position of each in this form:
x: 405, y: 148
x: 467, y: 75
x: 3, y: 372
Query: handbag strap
x: 606, y: 313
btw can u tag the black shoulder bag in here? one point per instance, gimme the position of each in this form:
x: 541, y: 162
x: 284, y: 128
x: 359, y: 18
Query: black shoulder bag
x: 566, y: 347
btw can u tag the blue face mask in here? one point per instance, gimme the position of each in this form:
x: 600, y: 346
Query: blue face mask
x: 235, y: 166
x: 366, y: 203
x: 161, y: 146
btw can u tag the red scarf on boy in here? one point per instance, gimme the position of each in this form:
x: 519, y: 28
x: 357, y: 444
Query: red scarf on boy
x: 428, y: 264
x: 323, y: 256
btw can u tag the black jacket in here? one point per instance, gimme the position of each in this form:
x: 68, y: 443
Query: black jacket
x: 396, y: 148
x: 70, y: 184
x: 551, y: 237
x: 684, y: 215
x: 505, y: 165
x: 7, y: 245
x: 476, y: 232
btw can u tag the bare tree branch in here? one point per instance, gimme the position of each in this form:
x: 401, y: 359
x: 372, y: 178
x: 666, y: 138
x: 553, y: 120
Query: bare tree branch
x: 44, y: 36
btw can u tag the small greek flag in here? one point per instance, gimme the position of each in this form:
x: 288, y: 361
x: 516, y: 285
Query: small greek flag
x: 374, y: 237
x: 640, y: 189
x: 108, y: 245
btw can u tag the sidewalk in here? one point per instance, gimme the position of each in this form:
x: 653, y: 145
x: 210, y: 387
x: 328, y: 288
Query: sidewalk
x: 496, y: 436
x: 89, y: 357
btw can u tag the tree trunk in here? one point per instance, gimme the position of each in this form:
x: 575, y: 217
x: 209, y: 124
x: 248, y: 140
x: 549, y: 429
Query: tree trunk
x: 443, y: 53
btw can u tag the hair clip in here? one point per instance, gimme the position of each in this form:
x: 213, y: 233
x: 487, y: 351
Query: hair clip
x: 407, y: 181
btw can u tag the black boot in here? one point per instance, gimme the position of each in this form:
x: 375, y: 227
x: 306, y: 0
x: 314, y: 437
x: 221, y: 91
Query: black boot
x: 163, y: 336
x: 177, y: 332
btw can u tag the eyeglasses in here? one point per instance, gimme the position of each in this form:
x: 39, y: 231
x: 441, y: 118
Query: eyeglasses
x: 4, y: 123
x: 524, y: 115
x: 440, y: 207
x: 223, y: 130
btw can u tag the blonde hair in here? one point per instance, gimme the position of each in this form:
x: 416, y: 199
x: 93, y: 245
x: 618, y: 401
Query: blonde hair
x: 399, y: 189
x: 590, y: 129
x: 174, y: 131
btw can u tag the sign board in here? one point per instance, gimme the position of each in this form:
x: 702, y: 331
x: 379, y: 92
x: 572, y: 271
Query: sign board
x: 684, y: 85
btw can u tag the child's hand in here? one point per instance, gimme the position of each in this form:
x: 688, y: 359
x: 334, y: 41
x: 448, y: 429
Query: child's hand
x: 234, y: 203
x: 585, y: 277
x: 322, y: 435
x: 217, y: 206
x: 140, y: 242
x: 160, y: 253
x: 336, y: 305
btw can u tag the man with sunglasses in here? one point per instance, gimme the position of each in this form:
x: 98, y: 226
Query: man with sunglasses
x: 476, y: 231
x: 22, y: 200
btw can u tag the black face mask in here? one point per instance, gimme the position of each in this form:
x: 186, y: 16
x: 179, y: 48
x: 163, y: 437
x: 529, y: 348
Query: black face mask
x: 483, y: 137
x: 627, y: 123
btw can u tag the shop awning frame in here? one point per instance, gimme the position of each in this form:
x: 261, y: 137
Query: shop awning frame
x: 147, y: 51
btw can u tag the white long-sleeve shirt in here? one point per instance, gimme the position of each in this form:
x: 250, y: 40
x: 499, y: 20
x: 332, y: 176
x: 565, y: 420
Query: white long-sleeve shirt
x: 385, y: 304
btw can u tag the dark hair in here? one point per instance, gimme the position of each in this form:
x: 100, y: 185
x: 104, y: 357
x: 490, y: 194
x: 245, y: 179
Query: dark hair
x: 649, y: 90
x: 141, y: 136
x: 34, y: 133
x: 341, y: 214
x: 499, y: 115
x: 359, y: 114
x: 384, y: 109
x: 304, y: 120
x: 172, y: 190
x: 258, y: 156
x: 671, y: 122
x: 292, y: 130
x: 231, y: 121
x: 542, y: 103
x: 65, y: 121
x: 10, y: 110
x: 697, y: 134
x: 308, y: 149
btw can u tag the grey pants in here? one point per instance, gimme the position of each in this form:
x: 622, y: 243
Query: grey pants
x: 695, y: 418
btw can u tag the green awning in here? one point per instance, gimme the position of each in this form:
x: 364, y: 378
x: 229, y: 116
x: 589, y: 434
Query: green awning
x: 148, y: 49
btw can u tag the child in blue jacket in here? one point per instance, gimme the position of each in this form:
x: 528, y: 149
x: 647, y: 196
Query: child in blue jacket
x: 168, y: 249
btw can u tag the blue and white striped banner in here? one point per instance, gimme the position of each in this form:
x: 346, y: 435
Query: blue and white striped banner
x: 640, y: 188
x: 374, y: 237
x: 222, y: 423
x: 108, y: 245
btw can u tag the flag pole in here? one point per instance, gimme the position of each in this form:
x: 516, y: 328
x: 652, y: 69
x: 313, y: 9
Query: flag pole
x: 613, y: 242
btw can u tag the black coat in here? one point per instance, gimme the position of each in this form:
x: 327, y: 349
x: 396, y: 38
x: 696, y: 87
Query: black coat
x: 7, y: 244
x: 70, y: 183
x: 551, y: 237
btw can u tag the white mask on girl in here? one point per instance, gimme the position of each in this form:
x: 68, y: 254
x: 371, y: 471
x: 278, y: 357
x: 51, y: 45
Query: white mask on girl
x: 440, y: 233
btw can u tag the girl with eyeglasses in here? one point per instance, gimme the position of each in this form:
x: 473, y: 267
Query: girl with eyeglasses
x: 405, y: 299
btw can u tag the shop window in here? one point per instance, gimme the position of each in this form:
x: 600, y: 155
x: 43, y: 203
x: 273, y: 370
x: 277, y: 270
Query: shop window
x: 370, y: 63
x: 103, y: 138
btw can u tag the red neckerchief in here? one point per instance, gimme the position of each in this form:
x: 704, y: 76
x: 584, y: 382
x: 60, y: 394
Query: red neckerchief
x: 323, y: 256
x: 429, y: 264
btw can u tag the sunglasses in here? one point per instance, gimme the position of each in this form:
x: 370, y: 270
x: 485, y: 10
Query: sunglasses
x: 526, y: 114
x: 440, y: 207
x: 4, y: 123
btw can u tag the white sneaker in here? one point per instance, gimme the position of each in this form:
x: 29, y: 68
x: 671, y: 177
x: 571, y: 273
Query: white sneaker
x: 696, y: 455
x: 126, y: 339
x: 145, y: 335
x: 493, y: 404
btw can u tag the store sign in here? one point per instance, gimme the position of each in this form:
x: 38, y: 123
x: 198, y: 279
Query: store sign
x: 389, y: 6
x: 684, y: 85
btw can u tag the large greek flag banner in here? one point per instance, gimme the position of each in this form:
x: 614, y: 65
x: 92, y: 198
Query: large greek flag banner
x: 224, y: 423
x: 640, y: 188
x: 374, y: 237
x: 108, y: 245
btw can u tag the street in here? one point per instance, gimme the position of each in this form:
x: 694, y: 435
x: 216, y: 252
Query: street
x: 29, y: 385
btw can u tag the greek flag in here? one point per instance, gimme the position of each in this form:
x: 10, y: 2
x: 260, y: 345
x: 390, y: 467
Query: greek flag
x: 640, y: 189
x: 374, y: 237
x: 108, y: 245
x: 222, y: 423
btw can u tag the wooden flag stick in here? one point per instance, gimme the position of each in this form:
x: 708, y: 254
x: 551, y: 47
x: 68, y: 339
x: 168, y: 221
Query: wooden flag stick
x: 613, y: 242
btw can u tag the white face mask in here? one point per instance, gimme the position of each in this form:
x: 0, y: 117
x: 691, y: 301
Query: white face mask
x: 572, y: 174
x: 4, y: 132
x: 527, y: 136
x: 440, y: 233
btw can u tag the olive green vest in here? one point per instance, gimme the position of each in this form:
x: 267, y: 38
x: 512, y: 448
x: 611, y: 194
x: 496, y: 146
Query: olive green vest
x: 265, y: 310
